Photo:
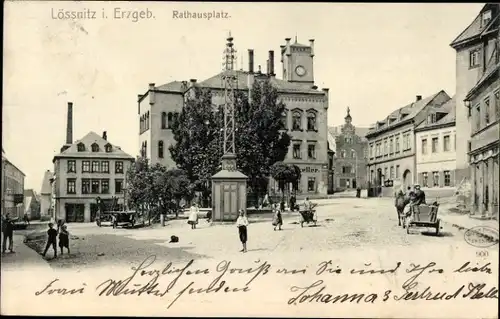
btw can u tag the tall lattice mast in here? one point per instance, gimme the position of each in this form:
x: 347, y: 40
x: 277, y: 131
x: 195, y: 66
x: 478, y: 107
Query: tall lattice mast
x: 229, y: 78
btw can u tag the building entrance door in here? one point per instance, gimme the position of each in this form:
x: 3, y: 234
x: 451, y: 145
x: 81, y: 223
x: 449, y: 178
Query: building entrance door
x: 75, y: 213
x: 354, y: 183
x: 93, y: 211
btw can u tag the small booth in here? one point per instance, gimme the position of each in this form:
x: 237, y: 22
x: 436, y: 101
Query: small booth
x: 229, y: 191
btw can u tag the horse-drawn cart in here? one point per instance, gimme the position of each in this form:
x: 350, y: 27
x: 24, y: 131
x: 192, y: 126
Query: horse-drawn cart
x: 308, y: 215
x: 423, y: 216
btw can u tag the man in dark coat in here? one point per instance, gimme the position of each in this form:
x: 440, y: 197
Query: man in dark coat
x: 420, y: 196
x: 8, y: 232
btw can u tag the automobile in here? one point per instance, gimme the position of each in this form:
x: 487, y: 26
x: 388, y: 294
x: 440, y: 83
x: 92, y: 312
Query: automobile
x: 124, y: 219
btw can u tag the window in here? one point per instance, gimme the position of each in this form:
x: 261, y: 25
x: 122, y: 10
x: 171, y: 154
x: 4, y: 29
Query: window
x: 297, y: 117
x: 397, y: 144
x: 296, y: 151
x: 311, y: 151
x: 391, y: 146
x: 85, y: 186
x: 434, y: 144
x: 474, y: 58
x: 431, y: 118
x: 311, y: 121
x: 118, y: 185
x: 342, y: 154
x: 170, y: 119
x: 371, y: 151
x: 386, y: 149
x: 95, y: 187
x: 85, y: 166
x: 160, y: 149
x: 497, y: 104
x: 71, y: 186
x: 80, y: 147
x: 435, y: 179
x: 71, y: 166
x: 425, y: 179
x: 386, y: 176
x: 446, y: 143
x: 104, y: 167
x: 163, y: 120
x: 487, y: 111
x: 311, y: 184
x: 353, y: 154
x: 397, y: 171
x: 284, y: 120
x: 478, y: 117
x: 424, y: 146
x: 348, y: 140
x: 119, y: 167
x: 95, y: 167
x: 447, y: 178
x: 105, y: 186
x: 392, y: 172
x: 95, y: 147
x: 108, y: 148
x: 346, y: 169
x: 486, y: 18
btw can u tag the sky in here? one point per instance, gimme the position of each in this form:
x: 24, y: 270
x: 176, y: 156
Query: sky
x: 374, y: 58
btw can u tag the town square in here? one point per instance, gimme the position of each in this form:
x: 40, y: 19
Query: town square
x: 244, y: 173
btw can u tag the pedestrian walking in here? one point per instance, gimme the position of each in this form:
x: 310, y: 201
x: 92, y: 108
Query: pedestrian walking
x: 277, y: 218
x: 114, y: 221
x: 242, y: 224
x: 8, y: 233
x: 293, y: 202
x: 51, y: 240
x: 64, y: 239
x: 193, y: 216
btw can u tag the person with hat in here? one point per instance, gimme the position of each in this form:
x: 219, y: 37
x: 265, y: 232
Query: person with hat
x: 419, y: 195
x: 51, y: 240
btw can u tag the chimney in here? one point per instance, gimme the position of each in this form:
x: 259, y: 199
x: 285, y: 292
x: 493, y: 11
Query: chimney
x: 105, y: 135
x: 282, y: 50
x: 419, y: 97
x: 271, y: 62
x: 287, y: 52
x: 250, y: 60
x: 139, y: 97
x: 69, y: 124
x: 311, y: 44
x: 260, y: 71
x: 192, y: 82
x: 151, y: 93
x: 268, y: 71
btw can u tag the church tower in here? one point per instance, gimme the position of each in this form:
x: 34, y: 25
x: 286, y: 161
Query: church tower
x: 348, y: 128
x: 297, y: 60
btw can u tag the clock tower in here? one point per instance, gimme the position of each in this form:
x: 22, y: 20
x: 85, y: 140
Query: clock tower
x: 297, y: 60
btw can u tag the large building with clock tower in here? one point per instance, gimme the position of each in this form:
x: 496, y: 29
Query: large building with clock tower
x: 305, y: 117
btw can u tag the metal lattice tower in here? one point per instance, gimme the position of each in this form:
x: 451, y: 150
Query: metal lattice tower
x: 230, y: 83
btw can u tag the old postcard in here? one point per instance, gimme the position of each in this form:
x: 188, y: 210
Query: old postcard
x: 250, y: 159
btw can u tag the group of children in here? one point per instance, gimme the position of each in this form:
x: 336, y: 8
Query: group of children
x: 52, y: 233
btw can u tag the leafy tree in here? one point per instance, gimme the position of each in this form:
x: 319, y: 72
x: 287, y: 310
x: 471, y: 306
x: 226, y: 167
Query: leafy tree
x: 178, y: 185
x: 137, y: 181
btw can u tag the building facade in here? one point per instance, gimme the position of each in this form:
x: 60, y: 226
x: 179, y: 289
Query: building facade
x: 474, y: 46
x: 84, y: 170
x: 12, y: 189
x: 392, y: 144
x: 31, y: 204
x: 350, y: 159
x: 436, y: 149
x: 305, y: 118
x: 483, y: 104
x: 46, y: 194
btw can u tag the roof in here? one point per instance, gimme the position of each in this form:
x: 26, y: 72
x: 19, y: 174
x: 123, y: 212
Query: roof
x: 46, y: 187
x: 88, y: 140
x: 6, y: 160
x: 492, y: 70
x: 449, y: 119
x: 229, y: 175
x: 216, y: 82
x: 411, y: 110
x: 336, y: 131
x: 475, y: 29
x: 176, y: 86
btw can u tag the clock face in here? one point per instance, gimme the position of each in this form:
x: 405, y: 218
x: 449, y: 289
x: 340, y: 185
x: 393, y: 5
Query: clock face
x: 300, y: 70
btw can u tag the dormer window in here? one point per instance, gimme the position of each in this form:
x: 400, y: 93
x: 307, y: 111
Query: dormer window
x: 108, y: 148
x: 81, y: 147
x: 402, y: 116
x: 431, y: 118
x: 95, y: 147
x: 486, y: 18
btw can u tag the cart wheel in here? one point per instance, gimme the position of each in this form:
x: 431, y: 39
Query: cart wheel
x: 438, y: 226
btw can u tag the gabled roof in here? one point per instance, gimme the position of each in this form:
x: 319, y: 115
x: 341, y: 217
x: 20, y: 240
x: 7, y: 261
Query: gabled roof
x: 491, y: 71
x: 337, y: 130
x: 88, y: 140
x: 475, y: 29
x: 411, y: 110
x: 175, y: 86
x: 216, y: 82
x: 299, y: 45
x: 449, y: 119
x: 46, y: 187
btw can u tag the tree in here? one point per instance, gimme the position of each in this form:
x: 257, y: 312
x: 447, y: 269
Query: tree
x: 197, y: 150
x: 137, y: 182
x: 178, y: 185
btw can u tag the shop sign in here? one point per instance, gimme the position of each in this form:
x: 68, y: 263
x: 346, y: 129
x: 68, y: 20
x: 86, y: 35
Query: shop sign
x: 309, y: 169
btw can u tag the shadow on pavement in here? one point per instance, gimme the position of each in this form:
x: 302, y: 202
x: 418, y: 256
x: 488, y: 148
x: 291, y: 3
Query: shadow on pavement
x: 441, y: 234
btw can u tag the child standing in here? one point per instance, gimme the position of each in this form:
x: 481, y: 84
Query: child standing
x: 64, y: 239
x: 242, y: 224
x: 51, y: 240
x: 277, y: 219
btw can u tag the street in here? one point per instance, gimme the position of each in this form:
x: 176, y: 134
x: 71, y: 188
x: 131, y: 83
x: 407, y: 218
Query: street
x: 356, y: 234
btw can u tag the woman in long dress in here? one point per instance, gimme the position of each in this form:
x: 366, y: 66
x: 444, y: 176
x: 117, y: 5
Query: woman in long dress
x: 277, y: 218
x: 193, y: 216
x: 242, y: 224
